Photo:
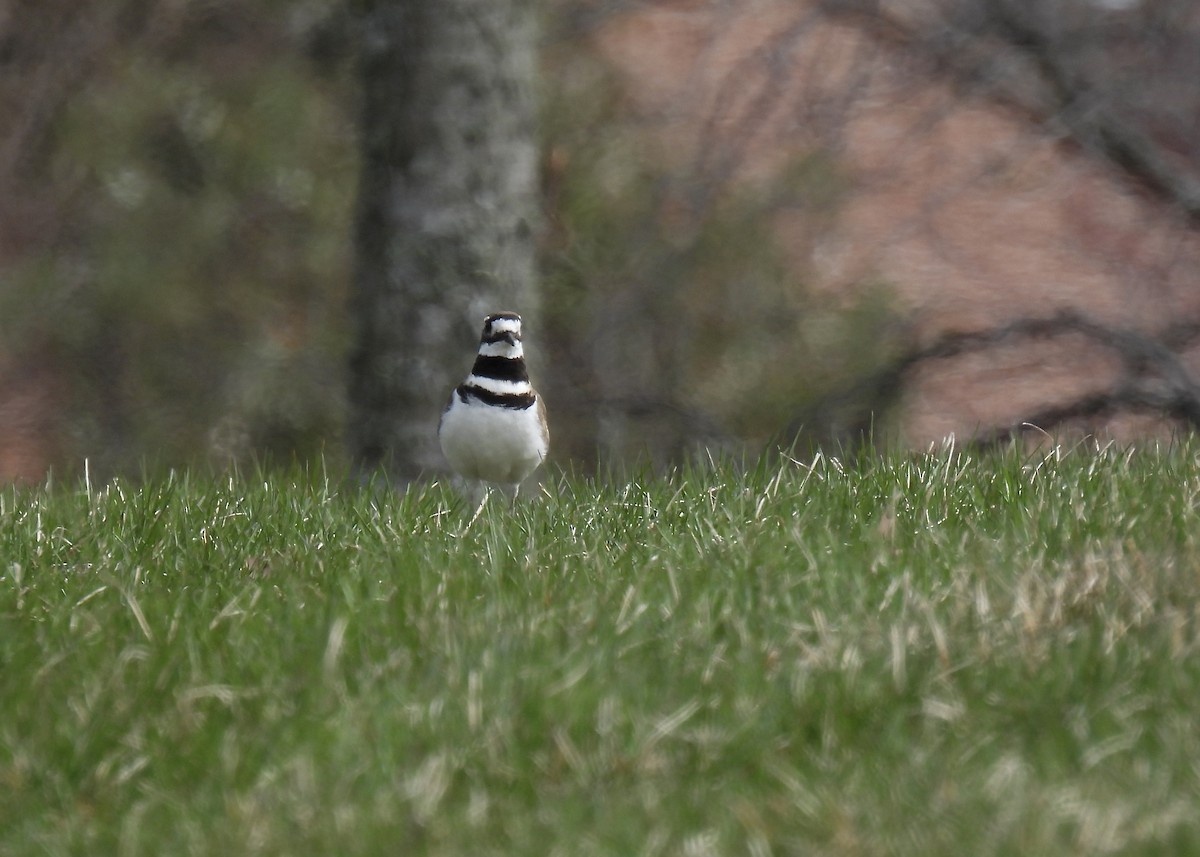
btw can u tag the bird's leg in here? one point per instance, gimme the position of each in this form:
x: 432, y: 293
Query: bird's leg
x: 483, y: 502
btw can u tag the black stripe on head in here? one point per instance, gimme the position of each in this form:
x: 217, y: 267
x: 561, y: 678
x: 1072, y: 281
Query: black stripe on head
x: 510, y: 338
x: 516, y: 401
x: 500, y: 368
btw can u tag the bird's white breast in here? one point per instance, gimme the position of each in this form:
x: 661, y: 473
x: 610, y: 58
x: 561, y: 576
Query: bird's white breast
x: 492, y: 443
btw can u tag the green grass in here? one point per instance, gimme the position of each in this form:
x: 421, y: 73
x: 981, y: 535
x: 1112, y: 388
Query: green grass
x: 913, y: 655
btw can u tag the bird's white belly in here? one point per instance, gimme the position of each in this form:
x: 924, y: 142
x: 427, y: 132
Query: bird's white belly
x: 490, y: 443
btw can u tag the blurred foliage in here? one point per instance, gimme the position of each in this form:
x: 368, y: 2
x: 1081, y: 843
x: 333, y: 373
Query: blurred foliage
x: 201, y: 174
x: 191, y: 174
x: 677, y: 318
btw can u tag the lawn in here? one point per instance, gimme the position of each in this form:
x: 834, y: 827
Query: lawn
x: 942, y: 654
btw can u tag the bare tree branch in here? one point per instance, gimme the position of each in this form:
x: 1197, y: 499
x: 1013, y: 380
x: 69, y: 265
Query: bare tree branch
x: 1124, y: 399
x: 962, y: 44
x: 1090, y: 120
x: 1155, y: 378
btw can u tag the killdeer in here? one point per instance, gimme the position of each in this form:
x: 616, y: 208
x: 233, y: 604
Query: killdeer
x: 494, y: 427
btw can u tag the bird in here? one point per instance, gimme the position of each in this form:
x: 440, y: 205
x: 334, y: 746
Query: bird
x: 493, y: 430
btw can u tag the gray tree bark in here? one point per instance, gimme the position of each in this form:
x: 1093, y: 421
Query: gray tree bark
x: 446, y: 214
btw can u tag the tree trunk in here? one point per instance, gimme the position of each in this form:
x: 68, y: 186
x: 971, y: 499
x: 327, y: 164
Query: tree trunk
x: 446, y: 212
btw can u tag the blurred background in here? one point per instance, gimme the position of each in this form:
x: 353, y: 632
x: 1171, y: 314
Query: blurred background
x: 759, y: 222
